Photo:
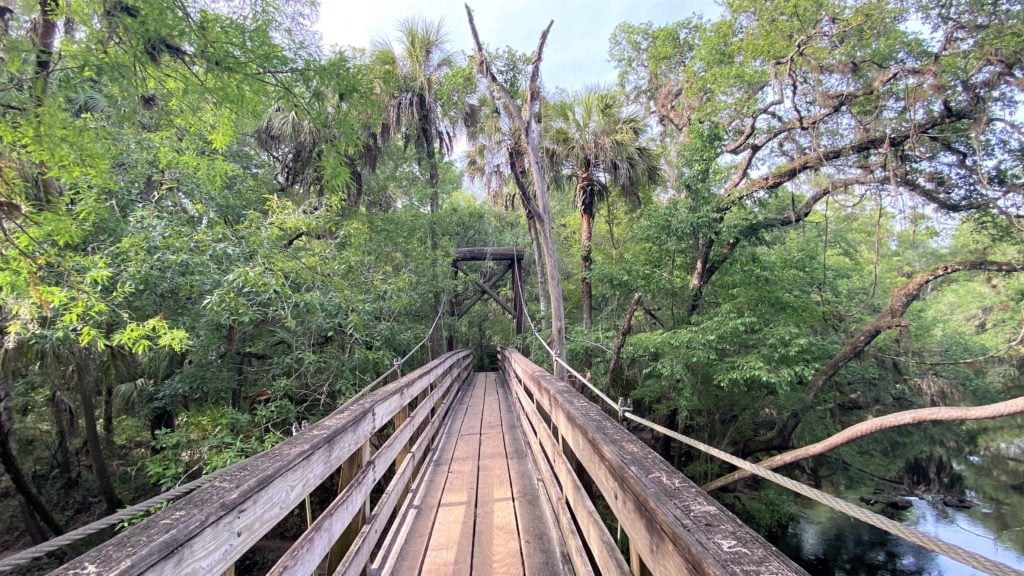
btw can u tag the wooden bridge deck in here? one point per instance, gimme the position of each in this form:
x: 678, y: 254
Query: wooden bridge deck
x: 479, y: 507
x: 444, y: 471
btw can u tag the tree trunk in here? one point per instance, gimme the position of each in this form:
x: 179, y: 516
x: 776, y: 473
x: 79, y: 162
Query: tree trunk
x: 108, y: 412
x: 45, y: 39
x: 907, y: 417
x: 586, y: 260
x: 235, y: 359
x: 538, y: 265
x: 620, y: 342
x: 85, y: 376
x: 529, y: 125
x: 63, y: 419
x: 891, y: 317
x: 7, y: 455
x: 515, y: 162
x: 35, y: 530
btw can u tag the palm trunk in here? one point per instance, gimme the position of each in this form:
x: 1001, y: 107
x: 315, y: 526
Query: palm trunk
x: 428, y: 133
x: 45, y: 40
x: 86, y: 381
x: 586, y: 233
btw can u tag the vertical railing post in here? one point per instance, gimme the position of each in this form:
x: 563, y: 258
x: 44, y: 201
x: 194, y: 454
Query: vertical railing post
x: 400, y: 418
x: 453, y: 313
x: 349, y: 470
x: 636, y: 565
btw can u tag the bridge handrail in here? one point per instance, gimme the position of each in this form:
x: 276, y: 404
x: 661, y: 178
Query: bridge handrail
x: 207, y: 531
x: 673, y: 527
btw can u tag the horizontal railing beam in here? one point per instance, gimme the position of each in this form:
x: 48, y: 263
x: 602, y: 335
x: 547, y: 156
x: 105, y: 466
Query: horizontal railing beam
x: 673, y: 526
x: 206, y: 532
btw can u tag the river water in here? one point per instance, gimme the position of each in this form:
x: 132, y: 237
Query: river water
x: 827, y: 543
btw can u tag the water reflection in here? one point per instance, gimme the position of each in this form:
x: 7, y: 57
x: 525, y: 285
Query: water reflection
x: 827, y: 543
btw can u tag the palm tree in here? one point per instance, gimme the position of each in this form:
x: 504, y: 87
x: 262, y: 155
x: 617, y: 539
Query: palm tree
x: 594, y: 141
x: 416, y: 65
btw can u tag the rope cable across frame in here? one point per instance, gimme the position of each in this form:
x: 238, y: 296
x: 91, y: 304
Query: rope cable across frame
x: 909, y: 534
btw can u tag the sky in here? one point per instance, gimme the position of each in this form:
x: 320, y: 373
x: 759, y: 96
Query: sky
x: 577, y: 51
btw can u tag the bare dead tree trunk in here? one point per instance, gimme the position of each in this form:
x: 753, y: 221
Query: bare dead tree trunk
x: 529, y: 125
x: 904, y: 418
x: 85, y: 379
x: 891, y: 317
x: 515, y: 162
x: 538, y: 266
x: 620, y: 342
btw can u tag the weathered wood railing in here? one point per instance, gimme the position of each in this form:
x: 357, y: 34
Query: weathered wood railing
x: 206, y: 532
x: 670, y: 525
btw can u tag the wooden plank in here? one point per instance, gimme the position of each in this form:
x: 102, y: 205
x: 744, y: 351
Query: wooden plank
x: 406, y: 543
x: 543, y: 550
x: 349, y: 470
x: 573, y: 545
x: 480, y: 294
x: 451, y: 540
x: 496, y: 547
x: 676, y: 527
x: 487, y: 253
x: 306, y: 553
x: 487, y: 290
x: 599, y: 540
x: 205, y: 532
x: 368, y: 537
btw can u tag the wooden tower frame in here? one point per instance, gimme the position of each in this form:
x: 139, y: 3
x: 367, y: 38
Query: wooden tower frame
x: 513, y: 260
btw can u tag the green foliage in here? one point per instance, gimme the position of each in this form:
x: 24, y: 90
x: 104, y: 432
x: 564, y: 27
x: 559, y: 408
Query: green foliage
x: 247, y: 228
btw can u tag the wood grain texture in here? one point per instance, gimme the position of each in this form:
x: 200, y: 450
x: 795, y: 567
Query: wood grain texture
x: 496, y: 547
x: 208, y: 530
x: 450, y: 550
x: 543, y: 550
x: 599, y: 540
x: 359, y: 554
x: 676, y: 527
x: 487, y: 253
x: 406, y: 542
x: 305, y: 554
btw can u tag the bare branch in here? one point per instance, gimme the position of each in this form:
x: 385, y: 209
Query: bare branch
x: 907, y: 417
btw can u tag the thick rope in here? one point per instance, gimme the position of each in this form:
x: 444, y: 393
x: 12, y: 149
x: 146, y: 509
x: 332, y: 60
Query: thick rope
x: 909, y: 534
x: 614, y: 405
x: 26, y: 556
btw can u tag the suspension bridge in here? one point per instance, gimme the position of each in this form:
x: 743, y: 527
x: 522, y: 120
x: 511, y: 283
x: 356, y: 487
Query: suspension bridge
x: 445, y: 470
